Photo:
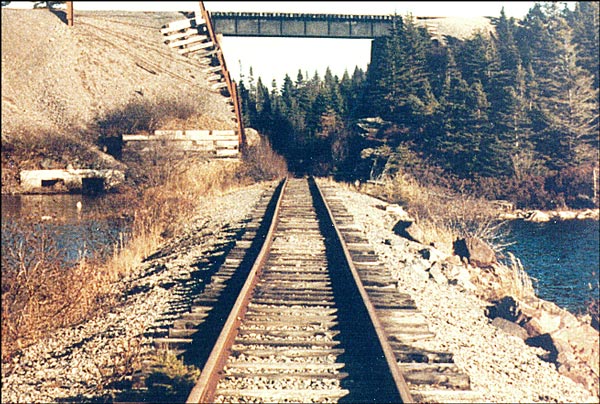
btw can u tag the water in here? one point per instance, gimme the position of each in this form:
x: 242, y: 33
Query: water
x: 562, y: 256
x: 92, y: 230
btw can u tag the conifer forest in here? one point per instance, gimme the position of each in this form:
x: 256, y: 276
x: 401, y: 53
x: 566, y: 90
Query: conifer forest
x: 512, y: 115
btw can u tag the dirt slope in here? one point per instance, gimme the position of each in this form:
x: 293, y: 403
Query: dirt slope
x: 59, y: 81
x: 60, y: 77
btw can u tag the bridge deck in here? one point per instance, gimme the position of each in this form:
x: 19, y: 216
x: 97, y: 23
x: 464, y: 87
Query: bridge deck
x: 301, y: 25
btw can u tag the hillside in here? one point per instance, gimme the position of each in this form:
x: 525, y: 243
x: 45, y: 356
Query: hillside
x: 60, y: 80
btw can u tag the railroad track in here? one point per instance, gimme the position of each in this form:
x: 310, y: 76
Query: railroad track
x: 302, y: 310
x: 299, y: 331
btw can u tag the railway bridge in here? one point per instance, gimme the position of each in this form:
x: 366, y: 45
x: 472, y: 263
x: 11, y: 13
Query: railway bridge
x: 301, y: 25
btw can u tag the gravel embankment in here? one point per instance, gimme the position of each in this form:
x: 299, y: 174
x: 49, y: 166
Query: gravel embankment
x: 502, y: 367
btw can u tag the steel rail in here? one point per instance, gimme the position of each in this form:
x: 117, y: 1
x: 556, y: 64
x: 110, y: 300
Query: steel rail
x: 206, y: 386
x: 399, y: 380
x: 204, y: 389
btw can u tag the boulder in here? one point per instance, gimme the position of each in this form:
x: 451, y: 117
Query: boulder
x: 510, y: 328
x: 252, y: 137
x: 398, y: 211
x: 544, y: 323
x: 476, y: 251
x: 567, y: 215
x: 460, y: 276
x: 506, y: 308
x: 409, y: 230
x: 538, y: 216
x: 583, y: 340
x: 435, y: 272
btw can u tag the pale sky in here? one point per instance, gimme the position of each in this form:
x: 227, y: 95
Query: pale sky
x: 272, y: 58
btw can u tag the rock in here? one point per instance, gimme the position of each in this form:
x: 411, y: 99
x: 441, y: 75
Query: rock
x: 538, y: 216
x: 544, y: 323
x: 433, y: 254
x: 584, y: 342
x: 588, y: 214
x: 477, y: 251
x: 252, y: 137
x: 510, y: 328
x: 566, y: 215
x: 409, y: 230
x: 453, y: 260
x: 398, y: 211
x: 459, y: 276
x: 506, y: 308
x: 435, y: 272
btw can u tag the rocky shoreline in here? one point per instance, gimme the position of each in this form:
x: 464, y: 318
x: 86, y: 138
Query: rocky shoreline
x: 78, y: 363
x: 540, y: 216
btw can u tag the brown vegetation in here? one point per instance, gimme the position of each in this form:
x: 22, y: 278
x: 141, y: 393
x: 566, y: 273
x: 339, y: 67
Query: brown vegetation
x: 42, y: 291
x: 444, y: 215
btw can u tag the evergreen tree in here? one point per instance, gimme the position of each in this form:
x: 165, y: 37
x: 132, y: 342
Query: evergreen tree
x: 564, y: 101
x: 584, y: 21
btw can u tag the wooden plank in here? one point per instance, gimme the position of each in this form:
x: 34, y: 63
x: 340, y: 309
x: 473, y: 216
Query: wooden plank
x: 446, y: 396
x: 252, y: 307
x: 288, y: 353
x: 286, y: 342
x: 226, y: 144
x: 286, y: 333
x: 287, y: 323
x: 212, y: 69
x: 214, y: 77
x: 456, y: 381
x: 283, y: 395
x: 195, y: 48
x: 227, y: 152
x: 223, y: 132
x: 214, y: 133
x: 217, y: 86
x: 182, y: 24
x: 228, y: 375
x: 179, y: 35
x: 188, y: 41
x: 289, y: 366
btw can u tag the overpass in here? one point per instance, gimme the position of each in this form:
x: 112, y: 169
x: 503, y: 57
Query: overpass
x: 301, y: 25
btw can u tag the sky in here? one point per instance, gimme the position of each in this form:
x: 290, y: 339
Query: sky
x: 272, y: 58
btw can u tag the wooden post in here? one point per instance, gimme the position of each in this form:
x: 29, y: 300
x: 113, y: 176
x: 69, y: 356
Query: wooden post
x: 69, y: 13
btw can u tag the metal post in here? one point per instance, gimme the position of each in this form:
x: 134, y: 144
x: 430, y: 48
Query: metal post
x: 69, y: 13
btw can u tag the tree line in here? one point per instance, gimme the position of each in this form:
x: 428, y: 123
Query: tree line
x: 509, y: 115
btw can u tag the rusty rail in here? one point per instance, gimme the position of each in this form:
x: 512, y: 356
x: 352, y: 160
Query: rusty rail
x: 206, y: 385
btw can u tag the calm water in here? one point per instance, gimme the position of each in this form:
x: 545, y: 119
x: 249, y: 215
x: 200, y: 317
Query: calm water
x: 93, y: 229
x: 562, y: 256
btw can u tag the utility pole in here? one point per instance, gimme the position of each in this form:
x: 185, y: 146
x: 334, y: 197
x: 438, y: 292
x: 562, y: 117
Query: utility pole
x: 69, y: 13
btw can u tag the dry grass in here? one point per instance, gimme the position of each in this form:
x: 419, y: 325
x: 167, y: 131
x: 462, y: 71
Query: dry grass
x: 442, y: 215
x: 41, y: 291
x: 445, y: 217
x: 502, y: 280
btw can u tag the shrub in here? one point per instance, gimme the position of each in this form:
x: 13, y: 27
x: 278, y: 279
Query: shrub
x: 41, y: 289
x: 263, y: 163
